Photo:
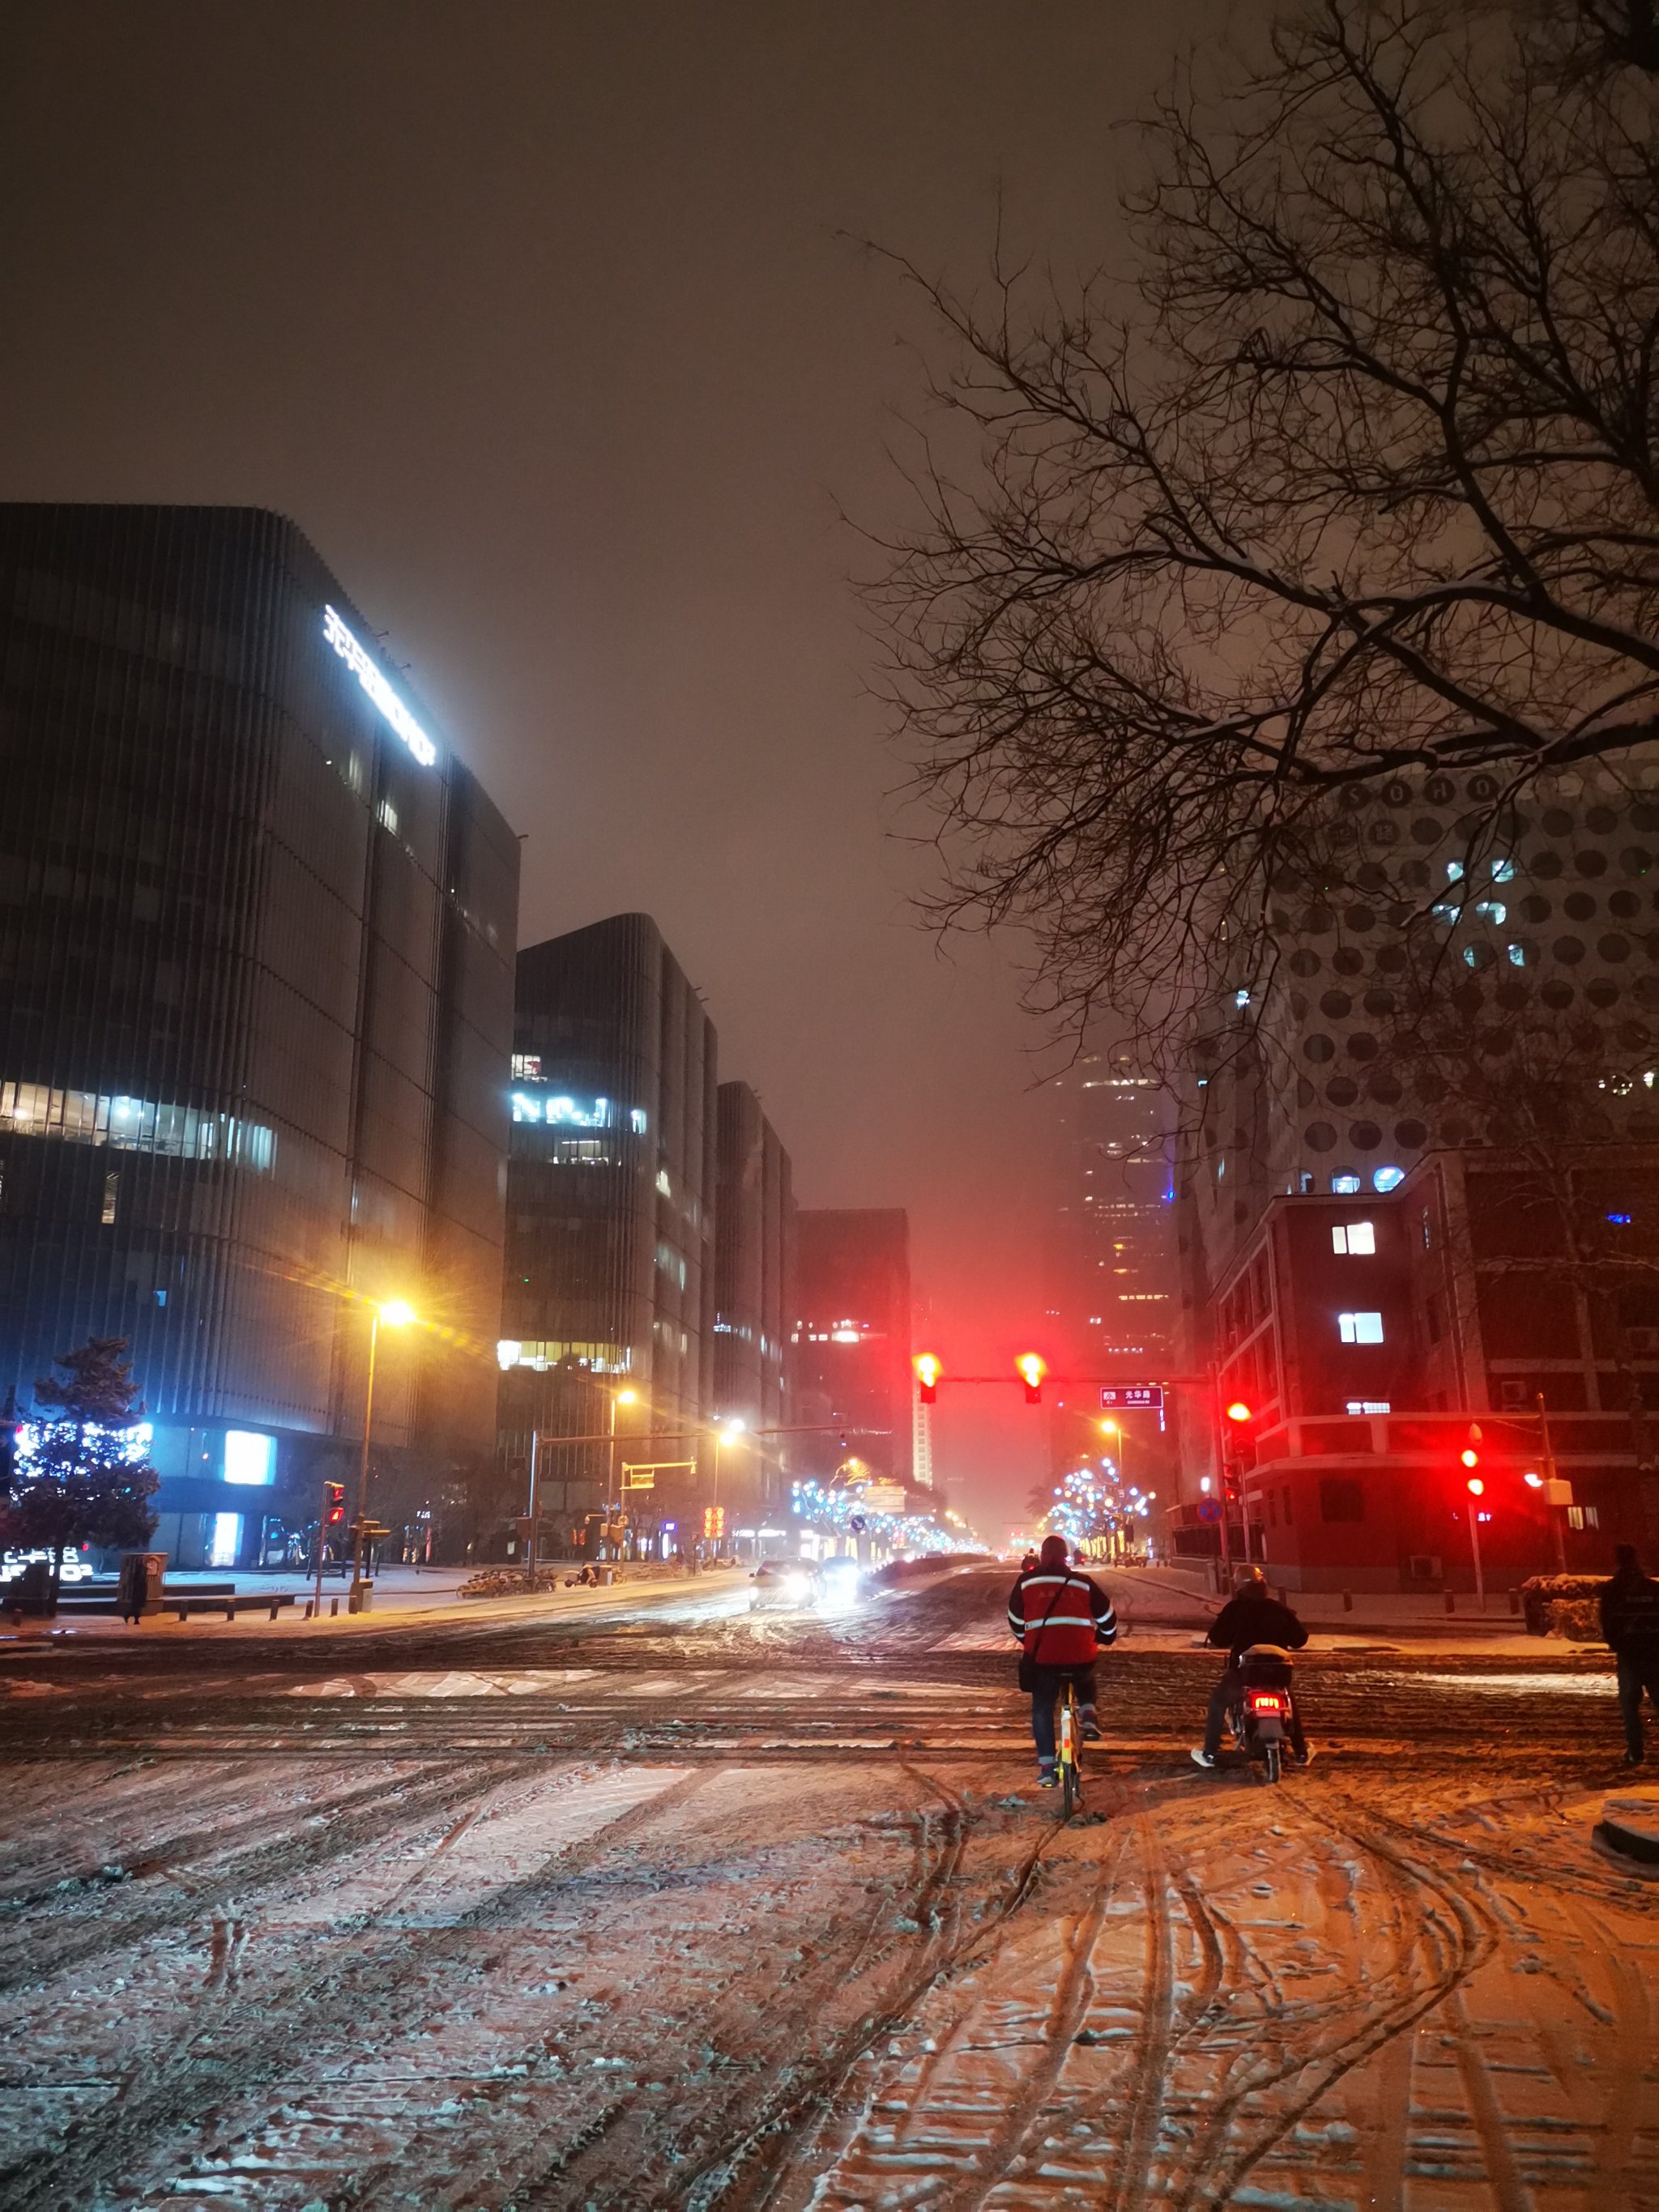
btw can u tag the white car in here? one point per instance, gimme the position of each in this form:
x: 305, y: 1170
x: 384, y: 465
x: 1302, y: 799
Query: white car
x: 76, y: 1568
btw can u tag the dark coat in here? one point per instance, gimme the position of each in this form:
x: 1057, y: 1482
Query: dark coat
x: 1630, y: 1614
x: 1255, y: 1618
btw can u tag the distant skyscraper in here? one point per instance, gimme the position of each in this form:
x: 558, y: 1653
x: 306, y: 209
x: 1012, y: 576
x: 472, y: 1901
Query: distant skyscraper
x: 257, y: 926
x: 609, y: 1276
x: 1113, y: 1284
x: 850, y: 1344
x: 754, y: 1269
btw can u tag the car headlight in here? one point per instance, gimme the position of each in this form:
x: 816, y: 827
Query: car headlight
x: 796, y: 1585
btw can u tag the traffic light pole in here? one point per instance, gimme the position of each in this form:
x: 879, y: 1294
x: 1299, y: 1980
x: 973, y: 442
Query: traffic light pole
x: 1475, y: 1549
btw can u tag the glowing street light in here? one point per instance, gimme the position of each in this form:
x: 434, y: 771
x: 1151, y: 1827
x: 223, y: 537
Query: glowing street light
x: 388, y: 1313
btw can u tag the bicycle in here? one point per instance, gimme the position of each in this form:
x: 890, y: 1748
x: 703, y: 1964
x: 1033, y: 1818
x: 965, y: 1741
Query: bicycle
x: 1068, y: 1738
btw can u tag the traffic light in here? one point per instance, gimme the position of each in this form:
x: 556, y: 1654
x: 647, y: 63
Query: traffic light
x: 333, y: 1503
x: 1470, y: 1456
x: 1238, y: 1411
x: 1476, y: 1487
x: 927, y: 1374
x: 1032, y: 1367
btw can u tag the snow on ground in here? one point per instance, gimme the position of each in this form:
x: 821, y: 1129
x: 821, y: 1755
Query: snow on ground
x: 620, y: 1934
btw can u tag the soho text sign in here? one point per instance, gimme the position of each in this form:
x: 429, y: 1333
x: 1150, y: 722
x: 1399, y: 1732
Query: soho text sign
x: 378, y: 689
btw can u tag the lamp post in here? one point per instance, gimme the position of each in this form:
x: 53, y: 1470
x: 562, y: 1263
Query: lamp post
x: 396, y: 1313
x: 617, y: 1398
x: 728, y: 1435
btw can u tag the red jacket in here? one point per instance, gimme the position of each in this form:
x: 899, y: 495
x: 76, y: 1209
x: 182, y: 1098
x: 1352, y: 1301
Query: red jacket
x: 1060, y: 1617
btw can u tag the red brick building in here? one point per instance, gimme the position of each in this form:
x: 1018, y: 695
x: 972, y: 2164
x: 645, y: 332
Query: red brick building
x: 1369, y: 1335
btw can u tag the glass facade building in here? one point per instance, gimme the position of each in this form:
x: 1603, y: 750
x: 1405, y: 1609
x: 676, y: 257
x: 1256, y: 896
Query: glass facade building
x: 257, y: 930
x: 850, y: 1339
x: 754, y: 1295
x: 610, y: 1277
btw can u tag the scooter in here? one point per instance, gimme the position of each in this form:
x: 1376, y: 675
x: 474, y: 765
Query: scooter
x: 1261, y: 1720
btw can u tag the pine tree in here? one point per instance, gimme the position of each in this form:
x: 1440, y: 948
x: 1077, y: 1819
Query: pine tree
x: 85, y: 1478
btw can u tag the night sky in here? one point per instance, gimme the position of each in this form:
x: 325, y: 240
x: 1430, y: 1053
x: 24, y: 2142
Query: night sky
x: 543, y: 322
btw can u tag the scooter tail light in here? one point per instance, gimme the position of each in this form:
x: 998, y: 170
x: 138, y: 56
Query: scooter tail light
x: 1265, y: 1701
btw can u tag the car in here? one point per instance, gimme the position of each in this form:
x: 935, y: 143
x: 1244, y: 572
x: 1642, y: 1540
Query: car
x: 781, y: 1585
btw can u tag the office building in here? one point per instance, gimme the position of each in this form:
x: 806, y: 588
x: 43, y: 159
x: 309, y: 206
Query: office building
x: 1456, y: 1070
x: 754, y: 1285
x: 256, y: 926
x: 1113, y: 1289
x: 850, y: 1344
x: 608, y: 1305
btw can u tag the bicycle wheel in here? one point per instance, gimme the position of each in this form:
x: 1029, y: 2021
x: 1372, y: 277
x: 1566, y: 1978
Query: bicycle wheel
x: 1071, y: 1782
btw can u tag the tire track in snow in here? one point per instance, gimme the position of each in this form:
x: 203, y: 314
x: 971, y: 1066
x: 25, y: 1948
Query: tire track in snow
x: 250, y: 2045
x: 122, y: 1917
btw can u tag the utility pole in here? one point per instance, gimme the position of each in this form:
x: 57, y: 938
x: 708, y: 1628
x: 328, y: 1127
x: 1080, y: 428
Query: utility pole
x: 529, y: 1535
x: 1552, y: 1490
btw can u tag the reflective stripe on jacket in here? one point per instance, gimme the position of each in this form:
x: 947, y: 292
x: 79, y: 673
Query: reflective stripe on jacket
x: 1061, y: 1618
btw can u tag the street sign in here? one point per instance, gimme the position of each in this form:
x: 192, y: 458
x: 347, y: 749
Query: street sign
x: 1131, y: 1397
x: 1209, y: 1509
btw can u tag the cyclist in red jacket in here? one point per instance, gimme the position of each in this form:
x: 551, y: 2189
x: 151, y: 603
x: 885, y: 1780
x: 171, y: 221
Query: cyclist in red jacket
x: 1062, y: 1619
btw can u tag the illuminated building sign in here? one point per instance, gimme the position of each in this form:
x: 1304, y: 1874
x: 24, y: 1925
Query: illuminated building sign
x: 561, y: 1111
x: 368, y: 675
x: 1133, y: 1397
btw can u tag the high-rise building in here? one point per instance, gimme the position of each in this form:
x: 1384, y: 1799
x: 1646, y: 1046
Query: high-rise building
x: 608, y: 1307
x: 1113, y: 1289
x: 256, y: 928
x: 754, y: 1273
x: 850, y: 1343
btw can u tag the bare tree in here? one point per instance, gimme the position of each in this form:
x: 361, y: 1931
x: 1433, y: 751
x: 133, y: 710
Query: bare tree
x: 1351, y: 476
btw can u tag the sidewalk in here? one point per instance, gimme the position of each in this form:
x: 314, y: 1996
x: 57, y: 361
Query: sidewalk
x: 431, y: 1593
x: 1182, y: 1595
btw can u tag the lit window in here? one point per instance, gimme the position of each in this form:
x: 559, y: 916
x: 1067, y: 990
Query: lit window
x: 1241, y: 998
x: 527, y: 1067
x: 1360, y: 1328
x: 1354, y: 1237
x: 1346, y: 1184
x: 111, y: 1185
x: 1454, y: 872
x: 1502, y: 871
x: 636, y: 1120
x: 1359, y: 1406
x: 226, y: 1541
x: 250, y: 1457
x: 1492, y: 910
x: 1387, y: 1178
x: 1517, y: 956
x: 1583, y: 1516
x: 388, y: 814
x: 133, y: 1125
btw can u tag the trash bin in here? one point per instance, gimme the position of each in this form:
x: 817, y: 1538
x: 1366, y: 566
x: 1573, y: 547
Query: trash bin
x: 361, y: 1599
x: 605, y: 1575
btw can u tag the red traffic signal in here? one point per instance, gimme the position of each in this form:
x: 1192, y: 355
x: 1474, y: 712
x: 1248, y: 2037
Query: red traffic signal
x: 1032, y: 1367
x: 928, y: 1372
x: 1476, y: 1487
x: 334, y: 1504
x: 1238, y: 1411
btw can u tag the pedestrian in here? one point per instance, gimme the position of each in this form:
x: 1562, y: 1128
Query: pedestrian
x: 1062, y: 1619
x: 1630, y: 1623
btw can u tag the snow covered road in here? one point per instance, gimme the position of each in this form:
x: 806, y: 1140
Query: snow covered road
x: 729, y: 1914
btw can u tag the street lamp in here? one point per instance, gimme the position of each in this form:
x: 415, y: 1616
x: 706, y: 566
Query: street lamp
x: 728, y: 1435
x: 394, y: 1313
x: 625, y: 1397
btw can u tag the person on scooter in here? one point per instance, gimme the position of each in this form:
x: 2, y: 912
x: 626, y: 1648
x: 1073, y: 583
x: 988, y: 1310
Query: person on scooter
x: 1250, y: 1616
x: 1061, y: 1618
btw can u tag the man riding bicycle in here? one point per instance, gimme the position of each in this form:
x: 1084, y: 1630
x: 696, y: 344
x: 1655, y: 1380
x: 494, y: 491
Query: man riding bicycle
x: 1061, y: 1620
